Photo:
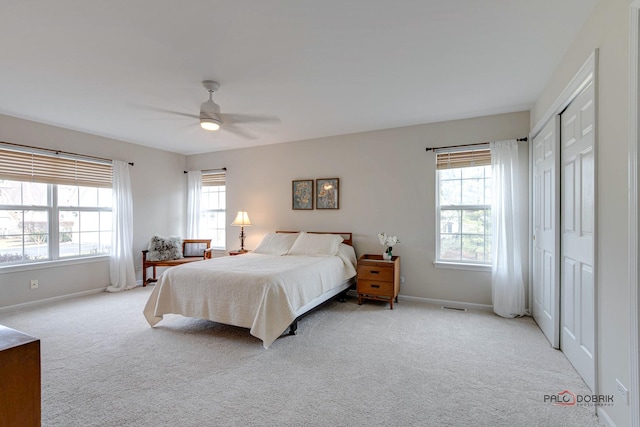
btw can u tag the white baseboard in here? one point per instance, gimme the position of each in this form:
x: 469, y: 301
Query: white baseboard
x: 440, y: 302
x: 48, y: 300
x: 445, y: 303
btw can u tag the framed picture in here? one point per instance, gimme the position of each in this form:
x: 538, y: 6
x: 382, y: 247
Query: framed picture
x: 327, y: 193
x: 302, y: 194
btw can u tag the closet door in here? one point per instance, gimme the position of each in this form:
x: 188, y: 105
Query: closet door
x: 546, y: 245
x: 577, y: 338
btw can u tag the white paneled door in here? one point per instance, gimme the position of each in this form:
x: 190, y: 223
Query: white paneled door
x: 546, y: 245
x: 577, y: 201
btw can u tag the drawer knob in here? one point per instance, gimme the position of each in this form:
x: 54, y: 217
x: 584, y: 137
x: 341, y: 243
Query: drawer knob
x: 375, y: 272
x: 375, y: 286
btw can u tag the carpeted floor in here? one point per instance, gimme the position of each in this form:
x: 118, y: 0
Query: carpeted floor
x: 349, y: 365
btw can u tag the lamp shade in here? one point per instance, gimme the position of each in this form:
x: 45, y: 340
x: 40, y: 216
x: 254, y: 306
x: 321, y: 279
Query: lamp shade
x: 242, y: 219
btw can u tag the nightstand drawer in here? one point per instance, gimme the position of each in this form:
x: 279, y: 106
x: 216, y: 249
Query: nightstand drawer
x: 375, y: 287
x: 373, y: 272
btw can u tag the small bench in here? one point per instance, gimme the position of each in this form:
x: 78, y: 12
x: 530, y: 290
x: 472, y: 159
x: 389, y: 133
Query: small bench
x: 192, y: 250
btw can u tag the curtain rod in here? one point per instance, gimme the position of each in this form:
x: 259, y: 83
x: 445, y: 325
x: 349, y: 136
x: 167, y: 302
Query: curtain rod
x: 210, y: 170
x: 59, y: 152
x: 525, y: 139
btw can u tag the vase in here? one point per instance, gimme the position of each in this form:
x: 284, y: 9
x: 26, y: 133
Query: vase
x: 386, y: 255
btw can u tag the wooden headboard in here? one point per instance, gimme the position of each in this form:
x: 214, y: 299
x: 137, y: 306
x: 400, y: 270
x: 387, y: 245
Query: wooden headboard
x: 348, y: 237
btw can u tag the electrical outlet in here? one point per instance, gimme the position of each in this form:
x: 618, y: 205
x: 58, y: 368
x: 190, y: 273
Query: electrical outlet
x: 34, y: 284
x: 401, y: 279
x: 622, y: 391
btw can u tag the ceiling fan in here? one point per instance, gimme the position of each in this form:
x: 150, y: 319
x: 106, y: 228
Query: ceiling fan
x: 212, y: 119
x: 209, y: 110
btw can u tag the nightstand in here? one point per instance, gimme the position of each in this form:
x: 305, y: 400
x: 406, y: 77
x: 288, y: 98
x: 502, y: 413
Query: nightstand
x: 378, y: 279
x: 21, y: 378
x: 238, y: 252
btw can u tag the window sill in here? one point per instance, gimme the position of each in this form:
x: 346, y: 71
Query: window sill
x: 52, y: 264
x: 462, y: 266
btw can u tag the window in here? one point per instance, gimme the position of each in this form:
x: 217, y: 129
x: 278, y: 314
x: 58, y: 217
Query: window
x: 84, y: 220
x: 52, y: 207
x: 464, y: 206
x: 213, y: 208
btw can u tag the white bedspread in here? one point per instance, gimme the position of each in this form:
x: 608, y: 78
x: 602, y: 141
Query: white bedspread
x: 260, y: 292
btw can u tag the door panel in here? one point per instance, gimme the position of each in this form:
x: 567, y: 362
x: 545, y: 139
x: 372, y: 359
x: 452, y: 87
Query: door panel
x: 587, y: 300
x: 569, y: 296
x: 568, y: 199
x: 546, y: 283
x: 587, y: 197
x: 577, y: 338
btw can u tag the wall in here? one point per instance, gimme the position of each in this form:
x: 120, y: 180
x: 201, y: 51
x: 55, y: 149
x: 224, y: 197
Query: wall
x: 607, y: 29
x: 158, y: 187
x: 387, y: 183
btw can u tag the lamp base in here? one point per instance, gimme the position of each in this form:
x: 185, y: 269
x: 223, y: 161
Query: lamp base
x: 238, y: 252
x: 242, y: 236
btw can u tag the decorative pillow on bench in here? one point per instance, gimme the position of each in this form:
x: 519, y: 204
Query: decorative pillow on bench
x: 165, y: 248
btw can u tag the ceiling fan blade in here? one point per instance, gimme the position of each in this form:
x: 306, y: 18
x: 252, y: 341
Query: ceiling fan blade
x: 248, y: 118
x: 237, y: 131
x: 178, y: 113
x: 163, y: 110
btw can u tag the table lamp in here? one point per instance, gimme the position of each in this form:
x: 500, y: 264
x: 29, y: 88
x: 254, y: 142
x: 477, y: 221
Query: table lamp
x: 242, y: 220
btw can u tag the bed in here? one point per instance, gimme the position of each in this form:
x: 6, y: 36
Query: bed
x: 267, y: 290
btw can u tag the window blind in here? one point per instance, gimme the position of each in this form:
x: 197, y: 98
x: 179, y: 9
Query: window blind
x: 36, y: 167
x: 463, y: 159
x: 213, y: 179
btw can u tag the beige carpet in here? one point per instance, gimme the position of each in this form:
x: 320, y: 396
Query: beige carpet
x: 349, y: 365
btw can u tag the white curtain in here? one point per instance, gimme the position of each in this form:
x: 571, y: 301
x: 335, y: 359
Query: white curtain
x: 506, y: 274
x: 122, y: 273
x: 194, y: 190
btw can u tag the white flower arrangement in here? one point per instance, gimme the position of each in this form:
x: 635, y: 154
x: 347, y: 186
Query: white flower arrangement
x: 388, y: 241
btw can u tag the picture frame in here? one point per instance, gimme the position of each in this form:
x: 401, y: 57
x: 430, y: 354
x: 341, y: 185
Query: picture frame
x: 302, y: 194
x: 327, y: 193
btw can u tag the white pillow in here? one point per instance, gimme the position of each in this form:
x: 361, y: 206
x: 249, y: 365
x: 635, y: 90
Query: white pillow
x: 276, y: 243
x: 316, y: 244
x: 347, y: 253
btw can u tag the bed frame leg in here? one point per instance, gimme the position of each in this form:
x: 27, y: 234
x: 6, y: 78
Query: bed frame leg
x: 293, y: 328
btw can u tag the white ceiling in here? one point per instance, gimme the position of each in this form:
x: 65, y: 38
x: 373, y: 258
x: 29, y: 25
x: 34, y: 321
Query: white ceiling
x: 324, y: 68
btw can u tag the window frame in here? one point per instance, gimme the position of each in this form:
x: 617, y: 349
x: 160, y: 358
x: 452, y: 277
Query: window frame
x: 206, y: 177
x: 48, y: 208
x: 458, y: 264
x: 29, y: 164
x: 53, y: 210
x: 58, y: 208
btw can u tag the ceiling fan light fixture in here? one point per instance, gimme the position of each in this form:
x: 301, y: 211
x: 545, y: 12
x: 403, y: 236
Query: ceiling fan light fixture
x: 209, y: 110
x: 209, y: 123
